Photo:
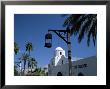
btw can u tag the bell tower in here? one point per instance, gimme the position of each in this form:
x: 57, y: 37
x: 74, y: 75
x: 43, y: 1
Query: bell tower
x: 59, y: 52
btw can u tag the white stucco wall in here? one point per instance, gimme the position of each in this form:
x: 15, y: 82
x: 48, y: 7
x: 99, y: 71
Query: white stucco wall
x: 86, y: 66
x: 60, y: 68
x: 59, y: 55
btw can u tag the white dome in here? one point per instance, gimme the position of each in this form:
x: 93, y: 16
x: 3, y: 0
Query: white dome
x: 58, y: 48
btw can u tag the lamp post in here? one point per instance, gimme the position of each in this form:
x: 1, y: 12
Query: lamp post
x: 65, y: 35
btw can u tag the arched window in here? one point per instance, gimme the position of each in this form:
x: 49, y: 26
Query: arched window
x: 80, y: 74
x: 60, y: 53
x: 59, y: 74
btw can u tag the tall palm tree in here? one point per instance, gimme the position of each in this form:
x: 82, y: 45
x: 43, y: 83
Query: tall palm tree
x: 29, y: 47
x: 16, y: 48
x: 24, y: 58
x: 81, y: 25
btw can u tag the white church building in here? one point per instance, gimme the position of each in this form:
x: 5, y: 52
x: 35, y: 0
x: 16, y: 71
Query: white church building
x: 80, y: 66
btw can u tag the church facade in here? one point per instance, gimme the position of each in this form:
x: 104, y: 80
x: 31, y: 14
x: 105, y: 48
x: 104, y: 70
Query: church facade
x: 58, y: 65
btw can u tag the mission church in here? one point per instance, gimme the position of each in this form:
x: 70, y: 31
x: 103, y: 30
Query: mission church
x: 58, y: 65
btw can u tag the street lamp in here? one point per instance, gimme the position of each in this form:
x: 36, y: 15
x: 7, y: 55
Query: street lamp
x: 65, y: 35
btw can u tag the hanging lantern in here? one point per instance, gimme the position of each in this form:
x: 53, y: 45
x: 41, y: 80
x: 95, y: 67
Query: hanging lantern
x: 48, y: 40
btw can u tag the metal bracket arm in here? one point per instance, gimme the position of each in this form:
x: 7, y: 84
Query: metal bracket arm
x: 59, y: 33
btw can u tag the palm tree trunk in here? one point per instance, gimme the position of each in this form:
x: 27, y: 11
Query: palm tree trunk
x: 28, y: 66
x: 24, y: 67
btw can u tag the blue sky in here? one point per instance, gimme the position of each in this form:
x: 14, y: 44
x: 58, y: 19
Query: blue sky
x: 33, y: 27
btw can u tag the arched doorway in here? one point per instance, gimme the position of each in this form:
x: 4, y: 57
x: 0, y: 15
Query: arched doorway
x: 80, y: 74
x: 59, y: 74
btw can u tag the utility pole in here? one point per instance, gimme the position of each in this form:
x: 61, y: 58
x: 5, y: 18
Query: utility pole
x: 65, y: 35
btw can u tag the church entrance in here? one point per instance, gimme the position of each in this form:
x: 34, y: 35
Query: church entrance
x: 59, y: 74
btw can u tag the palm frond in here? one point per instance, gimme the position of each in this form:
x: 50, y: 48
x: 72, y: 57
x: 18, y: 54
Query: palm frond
x: 81, y: 24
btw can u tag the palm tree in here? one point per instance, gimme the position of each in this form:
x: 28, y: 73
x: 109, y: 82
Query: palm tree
x: 29, y: 47
x: 24, y: 58
x: 82, y: 24
x: 29, y: 64
x: 16, y: 48
x: 33, y: 63
x: 15, y: 70
x: 39, y: 71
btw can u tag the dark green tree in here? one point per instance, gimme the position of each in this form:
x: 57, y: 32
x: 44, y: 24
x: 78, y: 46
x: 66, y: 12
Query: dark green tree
x: 16, y: 48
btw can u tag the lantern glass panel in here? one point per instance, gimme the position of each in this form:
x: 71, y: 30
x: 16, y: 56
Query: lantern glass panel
x: 48, y: 40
